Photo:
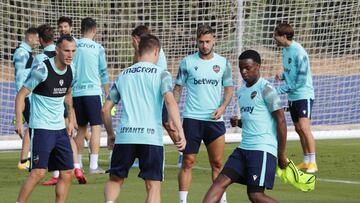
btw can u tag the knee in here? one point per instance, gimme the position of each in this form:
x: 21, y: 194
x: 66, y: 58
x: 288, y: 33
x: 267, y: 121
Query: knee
x: 188, y: 163
x: 255, y: 197
x: 216, y: 164
x: 38, y: 174
x: 66, y: 175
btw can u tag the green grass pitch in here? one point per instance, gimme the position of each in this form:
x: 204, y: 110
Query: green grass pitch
x: 338, y: 178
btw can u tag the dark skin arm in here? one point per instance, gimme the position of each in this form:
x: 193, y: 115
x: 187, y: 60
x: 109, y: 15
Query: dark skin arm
x: 279, y: 117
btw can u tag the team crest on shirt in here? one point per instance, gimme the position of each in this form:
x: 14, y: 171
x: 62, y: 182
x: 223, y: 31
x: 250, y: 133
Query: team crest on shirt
x: 61, y: 82
x: 196, y: 68
x: 253, y: 94
x: 36, y: 159
x: 216, y: 68
x: 289, y: 60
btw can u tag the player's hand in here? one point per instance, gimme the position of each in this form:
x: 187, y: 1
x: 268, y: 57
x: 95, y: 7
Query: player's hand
x: 218, y: 113
x: 180, y: 143
x: 110, y: 141
x: 234, y: 121
x: 169, y: 126
x: 19, y: 129
x: 71, y: 129
x: 278, y: 77
x: 282, y: 161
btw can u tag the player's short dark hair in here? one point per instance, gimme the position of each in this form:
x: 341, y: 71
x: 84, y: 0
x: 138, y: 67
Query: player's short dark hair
x: 148, y: 42
x: 204, y: 29
x: 31, y: 30
x: 64, y: 19
x: 87, y: 24
x: 46, y: 32
x: 63, y: 38
x: 251, y: 54
x: 140, y: 30
x: 285, y: 29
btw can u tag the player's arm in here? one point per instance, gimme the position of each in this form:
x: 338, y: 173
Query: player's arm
x: 19, y: 108
x: 228, y: 92
x: 20, y: 59
x: 273, y: 103
x: 71, y: 113
x: 104, y: 74
x: 173, y: 111
x: 302, y: 68
x: 36, y: 76
x: 112, y: 99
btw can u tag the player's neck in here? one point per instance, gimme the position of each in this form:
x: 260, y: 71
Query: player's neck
x: 288, y: 43
x: 88, y: 35
x: 147, y: 58
x: 207, y: 56
x: 249, y: 84
x: 58, y: 64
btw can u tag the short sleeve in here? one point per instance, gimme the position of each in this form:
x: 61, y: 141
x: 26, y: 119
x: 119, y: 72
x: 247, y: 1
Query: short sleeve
x: 271, y: 98
x: 227, y: 77
x: 37, y: 75
x: 182, y: 75
x: 166, y: 82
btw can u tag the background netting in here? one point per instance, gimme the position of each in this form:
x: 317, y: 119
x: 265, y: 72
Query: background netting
x: 328, y: 29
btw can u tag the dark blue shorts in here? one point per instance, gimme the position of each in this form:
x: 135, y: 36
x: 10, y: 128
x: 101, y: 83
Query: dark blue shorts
x: 300, y: 109
x: 51, y: 149
x: 198, y: 130
x: 151, y: 160
x: 251, y: 168
x: 26, y: 112
x: 88, y: 110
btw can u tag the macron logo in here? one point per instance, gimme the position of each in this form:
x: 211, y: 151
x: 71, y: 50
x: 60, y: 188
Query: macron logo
x: 255, y: 177
x: 205, y: 81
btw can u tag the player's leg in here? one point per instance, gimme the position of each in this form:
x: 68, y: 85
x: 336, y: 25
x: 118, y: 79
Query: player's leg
x: 124, y: 155
x: 31, y: 181
x: 93, y: 106
x: 261, y: 168
x: 112, y: 188
x: 62, y: 159
x: 43, y: 143
x: 63, y: 185
x: 24, y: 156
x: 193, y: 131
x: 78, y: 172
x: 151, y: 165
x: 153, y: 189
x: 217, y: 189
x: 301, y: 115
x: 81, y: 120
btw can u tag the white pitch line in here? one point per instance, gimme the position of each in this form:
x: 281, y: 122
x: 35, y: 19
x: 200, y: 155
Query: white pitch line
x: 318, y: 179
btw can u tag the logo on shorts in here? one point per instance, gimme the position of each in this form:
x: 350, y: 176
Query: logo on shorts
x: 216, y: 68
x: 255, y: 177
x: 196, y: 68
x: 289, y: 60
x: 61, y: 82
x: 304, y: 112
x: 253, y: 94
x: 36, y: 159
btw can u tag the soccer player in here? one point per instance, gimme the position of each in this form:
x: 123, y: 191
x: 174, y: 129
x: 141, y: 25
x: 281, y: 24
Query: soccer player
x: 253, y: 163
x: 136, y: 36
x: 299, y: 87
x: 91, y: 74
x: 50, y: 84
x: 141, y: 89
x: 64, y: 25
x: 204, y: 73
x: 46, y: 38
x: 22, y: 60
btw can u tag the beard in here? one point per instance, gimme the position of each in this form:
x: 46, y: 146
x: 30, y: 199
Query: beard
x: 206, y: 52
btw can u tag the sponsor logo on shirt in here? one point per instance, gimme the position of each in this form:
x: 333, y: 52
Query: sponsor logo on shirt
x: 137, y: 130
x: 216, y: 68
x: 61, y: 90
x: 140, y: 69
x: 253, y: 94
x: 86, y: 45
x: 289, y: 60
x: 196, y: 68
x: 248, y: 109
x: 205, y: 81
